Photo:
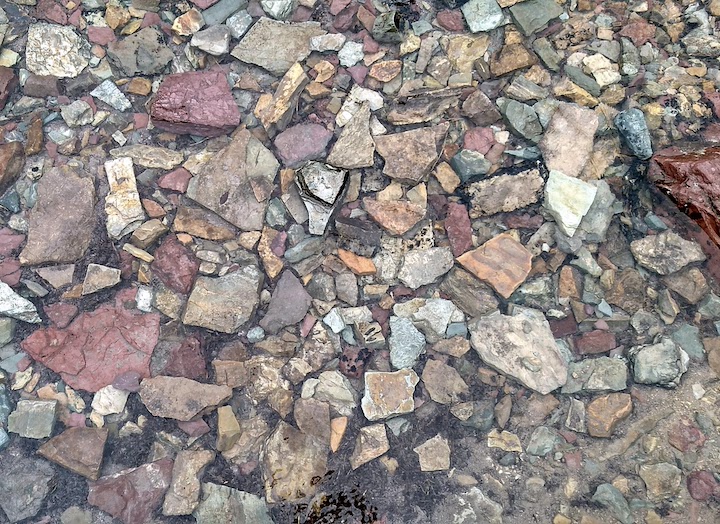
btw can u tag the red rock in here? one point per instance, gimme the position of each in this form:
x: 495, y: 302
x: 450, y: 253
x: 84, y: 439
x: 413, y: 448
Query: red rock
x: 302, y: 142
x: 458, y: 228
x: 175, y: 265
x: 685, y: 435
x: 338, y: 5
x: 524, y: 221
x: 12, y: 160
x: 369, y: 45
x: 100, y: 35
x: 61, y: 314
x: 40, y: 86
x: 51, y: 11
x: 10, y: 272
x: 179, y: 357
x: 639, y: 32
x: 563, y: 327
x: 198, y: 103
x: 353, y: 360
x: 194, y: 428
x: 702, y: 485
x: 141, y: 120
x: 152, y: 208
x: 8, y: 82
x: 98, y: 345
x: 479, y: 139
x: 128, y: 381
x: 175, y: 180
x: 133, y: 494
x: 358, y: 73
x: 345, y: 18
x: 9, y: 241
x: 595, y: 342
x: 714, y: 99
x: 451, y: 20
x: 151, y: 19
x: 75, y: 18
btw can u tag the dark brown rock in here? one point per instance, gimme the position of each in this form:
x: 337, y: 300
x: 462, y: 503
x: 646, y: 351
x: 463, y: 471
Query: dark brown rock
x: 480, y: 109
x: 289, y: 304
x: 469, y: 294
x: 133, y: 494
x: 197, y: 103
x: 8, y: 82
x: 41, y: 86
x: 12, y: 160
x: 179, y: 356
x: 175, y: 265
x: 78, y: 449
x: 595, y: 342
x: 627, y: 291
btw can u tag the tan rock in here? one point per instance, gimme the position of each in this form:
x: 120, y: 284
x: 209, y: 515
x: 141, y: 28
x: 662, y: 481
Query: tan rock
x: 511, y: 58
x: 455, y: 346
x: 502, y: 262
x: 388, y: 394
x: 689, y: 284
x: 79, y: 450
x: 506, y: 441
x: 354, y: 147
x: 183, y: 494
x: 188, y: 23
x: 410, y: 155
x: 504, y: 193
x: 568, y: 140
x: 271, y: 262
x: 570, y: 283
x: 152, y: 157
x: 228, y: 429
x: 247, y: 449
x: 395, y: 217
x: 313, y: 418
x: 122, y: 204
x: 443, y: 383
x: 606, y: 412
x: 276, y: 112
x: 445, y: 174
x: 337, y: 432
x: 357, y: 264
x: 575, y: 93
x: 386, y: 70
x: 148, y: 232
x: 371, y: 443
x: 203, y: 224
x: 180, y: 398
x: 99, y: 277
x: 463, y: 50
x: 434, y: 454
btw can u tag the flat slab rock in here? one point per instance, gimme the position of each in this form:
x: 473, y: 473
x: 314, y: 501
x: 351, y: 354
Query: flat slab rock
x: 78, y: 449
x: 98, y: 345
x: 197, y: 103
x: 288, y: 305
x: 389, y: 394
x: 410, y: 155
x: 180, y: 398
x: 522, y: 347
x: 24, y: 484
x: 504, y: 193
x: 666, y: 253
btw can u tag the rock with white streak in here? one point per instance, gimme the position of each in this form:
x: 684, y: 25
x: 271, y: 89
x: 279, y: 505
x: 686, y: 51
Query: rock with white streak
x: 56, y: 50
x: 122, y: 204
x: 109, y: 93
x: 15, y: 306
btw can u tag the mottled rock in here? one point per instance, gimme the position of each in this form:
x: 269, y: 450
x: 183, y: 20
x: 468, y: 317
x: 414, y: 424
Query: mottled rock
x: 689, y: 284
x: 181, y: 398
x: 143, y: 53
x: 633, y: 128
x: 521, y: 119
x: 468, y: 293
x: 8, y: 80
x: 12, y: 160
x: 480, y: 109
x: 33, y: 418
x: 215, y: 40
x: 406, y: 343
x: 411, y: 155
x: 568, y: 140
x: 183, y: 493
x: 354, y: 147
x: 301, y: 143
x: 606, y: 412
x: 122, y: 204
x: 662, y: 480
x: 78, y: 449
x: 504, y: 193
x: 596, y: 375
x: 443, y: 383
x: 397, y: 217
x: 424, y: 266
x: 389, y: 394
x: 371, y: 443
x: 149, y: 156
x: 24, y: 485
x: 225, y: 505
x: 434, y: 454
x: 288, y: 305
x: 666, y: 252
x: 662, y: 363
x: 56, y: 50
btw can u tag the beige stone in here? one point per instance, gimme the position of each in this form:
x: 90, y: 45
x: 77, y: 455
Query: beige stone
x: 371, y: 443
x: 228, y: 429
x: 389, y: 393
x: 434, y: 454
x: 337, y: 432
x: 606, y: 412
x: 180, y: 398
x: 276, y: 112
x: 183, y: 495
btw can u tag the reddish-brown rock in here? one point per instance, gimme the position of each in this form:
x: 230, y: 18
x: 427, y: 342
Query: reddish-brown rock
x: 198, y: 103
x: 301, y: 143
x: 12, y: 160
x: 78, y: 449
x: 702, y: 485
x: 10, y: 271
x: 175, y: 265
x: 51, y: 11
x: 685, y: 435
x: 100, y: 35
x: 606, y: 412
x: 451, y: 20
x: 353, y: 360
x: 9, y: 241
x: 40, y: 86
x: 175, y: 180
x: 98, y: 345
x: 133, y: 494
x: 61, y: 313
x: 639, y: 31
x: 594, y: 342
x: 458, y: 228
x: 179, y: 357
x: 8, y: 82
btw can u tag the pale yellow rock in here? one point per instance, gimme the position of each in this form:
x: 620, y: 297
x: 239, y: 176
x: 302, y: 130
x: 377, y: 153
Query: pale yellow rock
x: 275, y: 113
x: 228, y: 429
x: 122, y: 204
x: 445, y: 174
x: 434, y: 454
x: 463, y: 50
x: 337, y: 431
x: 410, y: 44
x: 506, y: 441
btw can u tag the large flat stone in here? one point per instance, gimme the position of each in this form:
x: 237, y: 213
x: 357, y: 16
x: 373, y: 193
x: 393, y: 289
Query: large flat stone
x: 568, y: 140
x: 411, y: 155
x: 78, y: 449
x: 24, y: 484
x: 288, y: 305
x: 180, y: 398
x: 56, y: 50
x: 389, y: 394
x: 143, y: 53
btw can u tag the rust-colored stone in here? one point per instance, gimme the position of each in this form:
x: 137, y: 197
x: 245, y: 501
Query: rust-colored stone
x: 357, y: 264
x: 606, y: 412
x: 175, y: 265
x: 12, y: 160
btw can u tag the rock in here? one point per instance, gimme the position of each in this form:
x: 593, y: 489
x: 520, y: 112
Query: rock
x: 15, y: 306
x: 662, y: 363
x: 504, y: 193
x: 633, y: 128
x: 152, y: 157
x: 148, y: 233
x: 688, y: 339
x: 132, y: 495
x: 542, y: 441
x: 302, y: 142
x: 197, y: 103
x: 237, y: 182
x: 291, y: 462
x: 521, y: 119
x: 532, y: 15
x: 594, y: 342
x: 99, y: 277
x: 606, y: 412
x: 142, y: 53
x: 215, y: 40
x: 56, y: 50
x: 512, y: 57
x: 361, y: 266
x: 568, y: 140
x: 410, y: 155
x: 611, y: 498
x: 350, y: 54
x: 662, y: 480
x: 568, y: 200
x: 502, y: 262
x: 275, y: 112
x: 12, y: 160
x: 482, y: 16
x: 434, y: 454
x: 61, y: 223
x: 8, y: 81
x: 259, y: 47
x: 666, y: 252
x: 332, y: 387
x: 467, y: 164
x: 522, y: 347
x: 78, y: 449
x: 467, y: 508
x: 122, y: 204
x: 175, y: 265
x: 406, y: 343
x: 109, y: 400
x: 595, y: 375
x: 354, y: 147
x: 225, y: 505
x: 320, y: 186
x: 443, y: 383
x: 75, y: 515
x: 180, y: 398
x: 188, y: 23
x: 98, y: 345
x: 689, y: 284
x: 289, y: 304
x: 33, y: 418
x: 480, y: 109
x: 24, y: 485
x: 389, y: 394
x: 396, y: 217
x: 225, y: 303
x: 109, y: 93
x: 424, y: 266
x: 313, y: 418
x: 371, y: 443
x: 79, y: 113
x: 183, y: 493
x: 468, y: 293
x: 702, y: 485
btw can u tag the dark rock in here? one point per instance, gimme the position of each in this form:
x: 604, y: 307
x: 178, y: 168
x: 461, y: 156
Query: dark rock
x: 288, y: 305
x: 24, y: 484
x: 468, y: 293
x: 179, y: 356
x: 8, y: 83
x: 12, y: 160
x: 458, y: 228
x: 633, y: 128
x: 175, y: 265
x: 702, y: 485
x: 143, y: 53
x: 480, y: 109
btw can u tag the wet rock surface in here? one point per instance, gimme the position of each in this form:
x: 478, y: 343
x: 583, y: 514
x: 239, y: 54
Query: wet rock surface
x: 345, y: 261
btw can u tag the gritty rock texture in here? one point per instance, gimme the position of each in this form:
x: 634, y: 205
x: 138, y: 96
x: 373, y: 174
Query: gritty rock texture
x: 180, y: 398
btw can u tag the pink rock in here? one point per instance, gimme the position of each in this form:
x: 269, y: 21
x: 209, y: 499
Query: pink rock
x: 345, y: 18
x: 10, y: 272
x: 451, y: 20
x: 302, y: 14
x: 178, y: 357
x: 75, y: 420
x: 141, y: 120
x: 685, y: 435
x: 198, y: 103
x: 306, y: 325
x: 99, y: 345
x: 524, y: 221
x: 358, y: 73
x: 9, y: 241
x: 479, y: 139
x: 177, y: 180
x: 369, y: 45
x: 128, y: 381
x: 639, y: 32
x: 75, y: 18
x: 100, y: 35
x: 714, y: 99
x: 61, y: 313
x: 194, y: 428
x: 594, y: 342
x: 133, y: 494
x: 51, y: 11
x: 458, y: 228
x: 150, y: 19
x: 8, y: 82
x: 702, y: 485
x: 302, y: 142
x: 277, y: 246
x: 175, y: 265
x: 204, y: 4
x: 338, y: 5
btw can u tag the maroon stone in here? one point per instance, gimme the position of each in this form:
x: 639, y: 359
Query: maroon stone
x: 714, y: 99
x: 61, y: 314
x: 451, y: 20
x: 303, y: 142
x: 175, y: 265
x: 197, y: 103
x: 179, y: 357
x: 51, y: 11
x: 685, y: 435
x: 594, y: 342
x: 194, y: 428
x: 563, y: 327
x: 10, y: 272
x: 128, y: 381
x: 458, y: 228
x: 702, y: 485
x: 9, y: 241
x: 353, y: 360
x: 100, y: 35
x: 204, y: 4
x: 639, y: 32
x: 338, y: 5
x: 345, y: 18
x: 133, y: 494
x: 8, y: 82
x: 99, y: 345
x: 177, y: 180
x: 41, y: 86
x: 479, y: 139
x: 358, y: 73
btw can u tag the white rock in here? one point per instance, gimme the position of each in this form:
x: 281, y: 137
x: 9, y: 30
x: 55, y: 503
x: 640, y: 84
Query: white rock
x: 350, y: 54
x: 239, y: 23
x: 56, y: 50
x: 109, y: 93
x: 355, y: 100
x: 15, y: 306
x: 214, y: 40
x: 122, y: 204
x: 109, y: 400
x: 329, y: 42
x: 278, y: 9
x: 568, y: 200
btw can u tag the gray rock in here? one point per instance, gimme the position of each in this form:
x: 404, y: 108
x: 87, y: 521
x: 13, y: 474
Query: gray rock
x: 469, y: 293
x: 596, y: 375
x: 542, y: 441
x: 710, y: 306
x: 143, y: 53
x: 99, y: 277
x: 355, y: 147
x: 320, y: 186
x: 661, y: 480
x: 687, y: 337
x: 351, y: 53
x: 663, y: 363
x: 666, y: 252
x: 482, y: 15
x: 347, y: 288
x: 471, y: 507
x: 78, y: 113
x: 15, y: 306
x: 219, y: 12
x: 522, y: 347
x: 24, y: 484
x: 587, y: 82
x: 4, y: 439
x: 633, y: 128
x: 468, y: 163
x: 594, y: 225
x: 56, y: 50
x: 575, y: 420
x: 611, y: 498
x: 239, y: 23
x: 532, y: 15
x: 225, y: 303
x: 5, y: 405
x: 215, y: 40
x: 33, y: 418
x: 547, y: 53
x: 424, y: 266
x: 289, y: 304
x: 406, y: 343
x: 109, y: 93
x: 521, y: 119
x: 322, y: 287
x: 225, y: 505
x: 76, y: 515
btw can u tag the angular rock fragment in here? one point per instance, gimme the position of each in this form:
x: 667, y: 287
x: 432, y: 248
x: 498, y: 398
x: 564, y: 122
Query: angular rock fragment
x: 227, y: 505
x: 568, y: 140
x: 320, y: 186
x: 522, y: 347
x: 288, y: 305
x: 568, y: 200
x: 180, y: 398
x: 443, y: 383
x: 666, y: 253
x: 396, y: 217
x: 24, y: 485
x: 606, y: 412
x: 389, y: 394
x: 434, y: 454
x: 149, y: 156
x: 183, y: 492
x: 371, y: 443
x: 468, y: 293
x: 662, y: 480
x: 482, y: 15
x: 596, y: 375
x: 633, y: 128
x: 33, y: 418
x: 354, y: 147
x: 663, y: 363
x: 99, y: 277
x: 504, y: 193
x: 122, y: 204
x: 406, y: 343
x: 78, y: 449
x: 215, y: 40
x: 532, y: 15
x: 56, y: 50
x: 411, y: 155
x: 424, y: 266
x: 276, y: 111
x: 12, y: 160
x: 14, y: 306
x: 142, y: 53
x: 301, y: 143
